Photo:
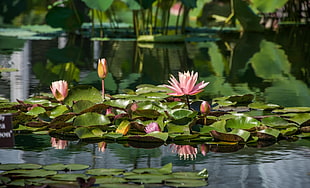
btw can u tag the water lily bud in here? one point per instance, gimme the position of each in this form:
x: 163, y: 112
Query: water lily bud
x: 205, y: 107
x: 102, y: 68
x: 59, y: 89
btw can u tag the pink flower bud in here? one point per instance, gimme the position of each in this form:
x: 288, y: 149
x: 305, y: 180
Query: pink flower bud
x: 205, y: 107
x: 59, y: 89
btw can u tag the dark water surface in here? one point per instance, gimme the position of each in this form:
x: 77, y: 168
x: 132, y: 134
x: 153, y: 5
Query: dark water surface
x: 283, y: 164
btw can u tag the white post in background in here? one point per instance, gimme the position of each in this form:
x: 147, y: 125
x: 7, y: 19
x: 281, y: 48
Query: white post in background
x: 19, y: 80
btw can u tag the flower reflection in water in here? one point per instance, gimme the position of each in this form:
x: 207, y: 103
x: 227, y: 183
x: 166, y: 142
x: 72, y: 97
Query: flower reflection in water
x: 102, y: 146
x: 185, y: 152
x: 58, y: 144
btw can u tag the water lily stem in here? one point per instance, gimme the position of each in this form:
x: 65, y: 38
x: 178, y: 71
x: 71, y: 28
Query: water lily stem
x: 187, y: 101
x: 102, y: 84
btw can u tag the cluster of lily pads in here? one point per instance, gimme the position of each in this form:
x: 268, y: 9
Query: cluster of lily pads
x: 84, y: 115
x: 79, y: 175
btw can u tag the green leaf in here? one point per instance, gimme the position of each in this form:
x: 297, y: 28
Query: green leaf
x: 268, y: 134
x: 91, y: 118
x: 59, y: 110
x: 242, y: 123
x: 292, y: 110
x: 14, y: 166
x: 268, y: 6
x: 276, y: 122
x: 81, y: 105
x: 68, y: 177
x: 289, y: 131
x: 31, y: 173
x: 110, y: 179
x: 105, y: 172
x: 88, y: 132
x: 182, y: 113
x: 63, y: 17
x: 118, y: 103
x: 237, y: 135
x: 70, y: 167
x: 36, y: 111
x: 83, y: 92
x: 263, y: 106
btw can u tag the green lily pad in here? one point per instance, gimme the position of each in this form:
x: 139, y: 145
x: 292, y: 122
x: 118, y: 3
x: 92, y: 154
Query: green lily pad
x: 91, y: 118
x: 268, y: 134
x: 292, y: 109
x: 276, y: 122
x: 147, y: 178
x: 68, y: 177
x: 31, y: 173
x: 83, y: 92
x: 186, y: 183
x: 299, y: 118
x: 118, y: 103
x: 88, y: 132
x: 183, y: 113
x: 109, y: 179
x: 189, y: 175
x: 237, y: 135
x: 14, y: 166
x: 68, y: 167
x: 263, y: 106
x: 289, y: 131
x: 105, y: 172
x: 81, y: 105
x: 36, y: 111
x: 59, y: 110
x: 242, y: 122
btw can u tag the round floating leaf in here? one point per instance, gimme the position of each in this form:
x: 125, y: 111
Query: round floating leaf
x: 118, y: 103
x: 59, y: 110
x: 183, y: 113
x: 81, y: 105
x: 91, y: 118
x: 68, y: 177
x: 268, y: 134
x: 88, y: 132
x: 276, y: 122
x: 148, y: 178
x: 242, y: 123
x: 83, y: 92
x: 36, y: 111
x: 187, y: 175
x: 263, y: 106
x: 69, y: 167
x: 12, y: 166
x: 292, y: 109
x: 109, y: 179
x: 186, y: 183
x: 299, y: 118
x: 105, y: 171
x: 289, y: 131
x: 238, y: 135
x: 31, y: 173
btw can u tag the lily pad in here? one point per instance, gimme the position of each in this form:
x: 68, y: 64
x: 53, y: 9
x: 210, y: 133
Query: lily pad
x: 263, y: 106
x: 292, y: 109
x: 90, y: 119
x: 242, y: 122
x: 237, y: 135
x: 13, y: 166
x: 105, y: 171
x: 268, y: 134
x: 276, y: 122
x: 68, y: 167
x: 68, y: 177
x: 83, y: 92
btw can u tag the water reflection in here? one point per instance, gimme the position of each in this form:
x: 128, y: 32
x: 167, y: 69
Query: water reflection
x: 58, y: 143
x: 250, y: 63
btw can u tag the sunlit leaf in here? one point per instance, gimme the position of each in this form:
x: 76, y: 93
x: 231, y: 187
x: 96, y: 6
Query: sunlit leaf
x: 268, y: 134
x: 83, y: 93
x: 276, y: 122
x: 123, y: 128
x: 242, y: 122
x: 267, y: 6
x: 91, y: 118
x: 105, y: 172
x: 68, y: 177
x: 82, y: 105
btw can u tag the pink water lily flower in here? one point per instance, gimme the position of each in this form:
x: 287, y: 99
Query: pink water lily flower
x: 152, y: 127
x: 186, y: 84
x: 59, y: 89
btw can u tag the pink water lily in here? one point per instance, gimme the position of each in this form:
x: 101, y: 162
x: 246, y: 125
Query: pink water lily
x: 186, y: 84
x: 59, y: 89
x: 152, y: 127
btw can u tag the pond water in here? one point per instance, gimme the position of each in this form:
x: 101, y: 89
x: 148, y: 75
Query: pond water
x: 274, y: 67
